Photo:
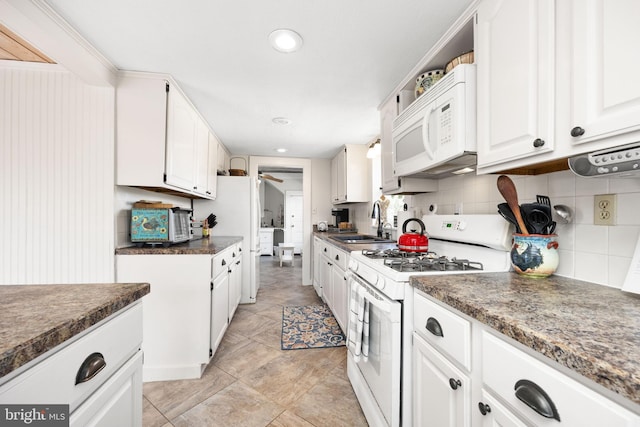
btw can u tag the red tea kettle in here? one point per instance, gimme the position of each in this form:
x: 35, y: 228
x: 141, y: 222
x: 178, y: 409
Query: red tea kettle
x: 413, y: 242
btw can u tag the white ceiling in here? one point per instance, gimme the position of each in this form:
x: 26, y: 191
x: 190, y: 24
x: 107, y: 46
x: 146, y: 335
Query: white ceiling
x: 354, y: 54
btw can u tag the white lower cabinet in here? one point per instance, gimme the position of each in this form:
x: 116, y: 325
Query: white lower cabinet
x: 113, y: 396
x: 192, y: 299
x: 330, y: 268
x: 441, y: 391
x: 540, y: 394
x: 496, y: 414
x: 504, y: 385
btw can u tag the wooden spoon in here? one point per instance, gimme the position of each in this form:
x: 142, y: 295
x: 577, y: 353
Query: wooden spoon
x: 508, y: 191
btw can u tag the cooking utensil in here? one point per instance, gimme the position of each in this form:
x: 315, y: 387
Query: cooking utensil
x: 536, y: 217
x: 508, y: 190
x: 505, y: 211
x: 413, y: 242
x: 543, y: 200
x: 564, y: 212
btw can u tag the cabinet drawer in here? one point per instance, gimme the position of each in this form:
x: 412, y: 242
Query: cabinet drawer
x: 506, y: 369
x: 54, y: 379
x: 266, y: 237
x: 325, y: 249
x: 221, y: 262
x: 430, y: 320
x: 339, y: 258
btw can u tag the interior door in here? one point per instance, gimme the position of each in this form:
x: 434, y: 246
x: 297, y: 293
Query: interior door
x: 293, y: 224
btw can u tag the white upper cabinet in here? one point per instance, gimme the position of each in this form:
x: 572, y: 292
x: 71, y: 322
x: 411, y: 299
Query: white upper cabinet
x: 163, y: 144
x: 388, y: 112
x: 515, y: 66
x: 555, y: 79
x: 605, y: 89
x: 182, y: 130
x: 351, y: 175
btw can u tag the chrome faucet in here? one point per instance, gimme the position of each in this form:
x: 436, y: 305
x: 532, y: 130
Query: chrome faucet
x: 379, y: 216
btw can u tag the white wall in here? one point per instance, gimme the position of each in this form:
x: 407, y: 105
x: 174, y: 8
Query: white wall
x: 56, y: 164
x: 321, y: 190
x: 599, y: 254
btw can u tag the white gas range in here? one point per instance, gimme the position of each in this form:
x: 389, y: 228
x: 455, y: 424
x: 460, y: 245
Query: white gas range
x: 458, y: 244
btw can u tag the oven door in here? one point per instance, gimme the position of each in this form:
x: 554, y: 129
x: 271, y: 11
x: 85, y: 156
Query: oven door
x: 376, y: 378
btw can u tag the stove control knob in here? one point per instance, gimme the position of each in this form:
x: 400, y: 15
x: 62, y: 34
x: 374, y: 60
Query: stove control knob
x: 380, y: 283
x: 462, y: 225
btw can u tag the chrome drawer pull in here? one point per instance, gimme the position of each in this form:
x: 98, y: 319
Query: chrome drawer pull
x: 93, y: 364
x: 536, y: 398
x: 434, y: 327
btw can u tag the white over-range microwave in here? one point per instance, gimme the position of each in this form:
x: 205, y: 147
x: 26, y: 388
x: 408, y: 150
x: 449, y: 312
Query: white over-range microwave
x: 436, y: 135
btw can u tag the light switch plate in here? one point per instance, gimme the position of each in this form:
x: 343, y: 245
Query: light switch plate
x: 604, y: 209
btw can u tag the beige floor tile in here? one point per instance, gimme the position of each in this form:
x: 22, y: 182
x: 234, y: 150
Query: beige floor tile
x: 288, y: 377
x: 330, y: 403
x: 270, y: 334
x: 151, y: 417
x: 246, y: 359
x: 175, y: 397
x: 289, y: 419
x: 236, y: 405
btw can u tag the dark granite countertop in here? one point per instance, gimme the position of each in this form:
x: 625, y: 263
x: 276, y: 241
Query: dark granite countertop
x: 326, y: 235
x: 36, y: 318
x: 591, y: 329
x: 212, y: 245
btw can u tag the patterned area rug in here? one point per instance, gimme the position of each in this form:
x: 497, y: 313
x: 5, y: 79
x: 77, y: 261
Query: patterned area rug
x: 310, y: 326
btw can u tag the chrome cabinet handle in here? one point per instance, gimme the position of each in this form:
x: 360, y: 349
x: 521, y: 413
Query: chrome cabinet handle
x: 536, y: 398
x: 93, y: 364
x: 538, y: 142
x: 434, y: 327
x: 484, y: 408
x: 454, y: 384
x: 577, y: 131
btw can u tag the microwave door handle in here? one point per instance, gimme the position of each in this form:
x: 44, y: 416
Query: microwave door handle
x: 429, y: 132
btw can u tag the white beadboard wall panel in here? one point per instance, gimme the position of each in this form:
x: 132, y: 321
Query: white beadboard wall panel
x: 595, y: 253
x: 57, y: 189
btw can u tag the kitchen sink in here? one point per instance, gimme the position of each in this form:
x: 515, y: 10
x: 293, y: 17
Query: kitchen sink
x: 361, y: 238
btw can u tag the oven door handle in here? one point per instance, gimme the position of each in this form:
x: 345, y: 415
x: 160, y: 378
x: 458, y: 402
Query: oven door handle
x: 373, y: 297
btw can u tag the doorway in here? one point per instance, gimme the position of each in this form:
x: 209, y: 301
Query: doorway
x: 293, y: 219
x: 273, y: 165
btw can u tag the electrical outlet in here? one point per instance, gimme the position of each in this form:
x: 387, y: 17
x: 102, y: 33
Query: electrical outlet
x: 604, y: 209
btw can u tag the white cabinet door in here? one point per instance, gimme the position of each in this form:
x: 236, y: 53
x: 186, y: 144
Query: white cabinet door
x: 494, y: 414
x: 235, y: 283
x: 201, y: 185
x: 340, y: 296
x: 326, y: 277
x: 117, y: 403
x: 605, y: 89
x: 341, y: 175
x: 219, y: 309
x: 181, y: 137
x: 515, y: 50
x: 212, y: 167
x: 317, y: 259
x: 441, y: 392
x: 388, y: 112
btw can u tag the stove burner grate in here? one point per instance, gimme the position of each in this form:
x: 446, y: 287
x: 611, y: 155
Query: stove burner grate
x: 421, y: 261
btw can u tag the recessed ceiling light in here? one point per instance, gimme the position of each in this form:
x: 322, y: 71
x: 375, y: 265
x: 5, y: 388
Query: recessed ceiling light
x: 281, y: 150
x: 281, y: 121
x: 285, y: 40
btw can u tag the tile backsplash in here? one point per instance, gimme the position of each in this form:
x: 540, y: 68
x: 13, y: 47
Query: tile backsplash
x: 594, y: 253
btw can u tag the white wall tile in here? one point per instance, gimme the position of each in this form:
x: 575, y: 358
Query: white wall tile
x: 618, y: 267
x: 562, y: 184
x: 565, y: 262
x: 628, y: 209
x: 624, y: 185
x: 591, y: 267
x: 592, y: 239
x: 584, y: 210
x: 622, y: 240
x: 591, y: 186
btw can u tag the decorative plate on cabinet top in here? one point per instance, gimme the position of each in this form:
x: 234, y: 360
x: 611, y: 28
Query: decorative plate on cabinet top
x: 427, y: 79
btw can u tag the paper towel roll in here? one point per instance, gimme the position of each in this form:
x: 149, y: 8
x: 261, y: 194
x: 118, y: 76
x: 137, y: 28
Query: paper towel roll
x: 405, y: 215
